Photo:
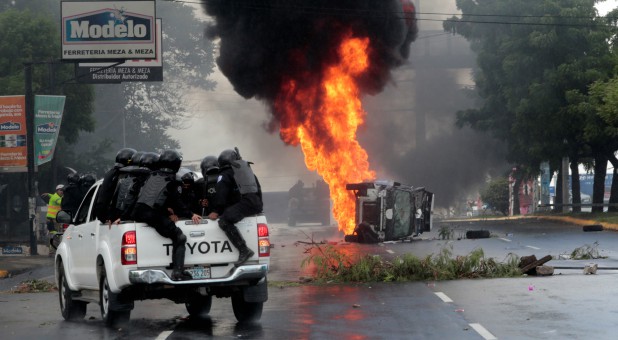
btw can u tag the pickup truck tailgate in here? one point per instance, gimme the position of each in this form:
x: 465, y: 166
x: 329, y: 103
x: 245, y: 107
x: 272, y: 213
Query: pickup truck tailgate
x: 207, y: 244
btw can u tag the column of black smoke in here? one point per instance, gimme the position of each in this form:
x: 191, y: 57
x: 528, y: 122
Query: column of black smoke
x: 264, y: 42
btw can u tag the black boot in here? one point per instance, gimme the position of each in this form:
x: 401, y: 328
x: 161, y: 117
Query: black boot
x: 231, y: 231
x: 245, y: 254
x: 178, y: 258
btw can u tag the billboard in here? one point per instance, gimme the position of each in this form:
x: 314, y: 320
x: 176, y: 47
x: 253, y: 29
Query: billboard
x: 131, y: 70
x: 13, y: 151
x: 47, y: 118
x: 108, y: 30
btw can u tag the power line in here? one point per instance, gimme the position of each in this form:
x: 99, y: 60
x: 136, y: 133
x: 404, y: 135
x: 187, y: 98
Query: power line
x: 402, y: 15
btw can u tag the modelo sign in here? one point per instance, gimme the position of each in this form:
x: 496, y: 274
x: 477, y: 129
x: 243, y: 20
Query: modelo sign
x: 108, y: 30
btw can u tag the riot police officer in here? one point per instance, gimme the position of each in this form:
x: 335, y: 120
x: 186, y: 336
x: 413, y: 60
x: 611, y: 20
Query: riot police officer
x: 110, y: 180
x: 206, y: 185
x: 86, y: 181
x: 238, y: 195
x: 189, y: 190
x: 156, y: 197
x: 72, y: 194
x: 130, y: 181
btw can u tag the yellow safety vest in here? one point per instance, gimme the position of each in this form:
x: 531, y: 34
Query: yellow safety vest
x: 54, y: 205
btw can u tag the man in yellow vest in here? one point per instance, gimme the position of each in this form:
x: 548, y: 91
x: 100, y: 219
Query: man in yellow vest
x: 53, y: 207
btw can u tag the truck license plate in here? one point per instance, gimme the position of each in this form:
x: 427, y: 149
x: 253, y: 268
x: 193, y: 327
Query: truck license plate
x: 199, y: 272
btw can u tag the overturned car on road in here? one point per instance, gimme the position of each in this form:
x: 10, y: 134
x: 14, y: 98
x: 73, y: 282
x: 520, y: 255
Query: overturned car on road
x: 390, y: 211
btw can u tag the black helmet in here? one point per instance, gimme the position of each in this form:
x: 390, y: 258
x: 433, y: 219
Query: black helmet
x: 135, y: 159
x: 149, y: 160
x: 124, y: 156
x: 227, y: 156
x: 187, y: 178
x: 209, y: 165
x: 73, y: 178
x: 170, y: 159
x: 87, y: 180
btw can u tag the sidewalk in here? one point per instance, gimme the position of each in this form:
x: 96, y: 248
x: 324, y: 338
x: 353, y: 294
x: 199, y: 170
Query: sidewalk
x: 11, y: 265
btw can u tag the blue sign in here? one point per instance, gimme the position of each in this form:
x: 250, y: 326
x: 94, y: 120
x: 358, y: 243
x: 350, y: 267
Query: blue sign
x: 108, y: 25
x: 10, y: 126
x: 12, y: 250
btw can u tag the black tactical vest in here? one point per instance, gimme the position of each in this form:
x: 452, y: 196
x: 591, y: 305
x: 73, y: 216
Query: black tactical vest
x: 130, y: 182
x: 244, y: 177
x: 154, y: 192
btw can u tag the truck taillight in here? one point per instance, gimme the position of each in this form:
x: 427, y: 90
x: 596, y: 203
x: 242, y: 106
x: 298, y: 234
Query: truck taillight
x: 263, y: 241
x: 262, y: 230
x: 128, y: 250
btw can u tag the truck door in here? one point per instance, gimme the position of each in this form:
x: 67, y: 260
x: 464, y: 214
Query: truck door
x: 84, y: 243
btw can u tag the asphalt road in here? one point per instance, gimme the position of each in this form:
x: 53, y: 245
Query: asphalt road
x: 568, y: 305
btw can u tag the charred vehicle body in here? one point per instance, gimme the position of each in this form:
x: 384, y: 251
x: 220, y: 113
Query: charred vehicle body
x: 388, y: 211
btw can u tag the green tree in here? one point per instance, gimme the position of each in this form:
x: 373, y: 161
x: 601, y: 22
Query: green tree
x: 30, y: 37
x: 496, y: 195
x: 532, y: 57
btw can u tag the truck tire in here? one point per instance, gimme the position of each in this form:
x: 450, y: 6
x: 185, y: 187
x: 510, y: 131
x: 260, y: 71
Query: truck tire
x: 199, y: 305
x: 111, y: 317
x: 246, y: 311
x: 71, y: 309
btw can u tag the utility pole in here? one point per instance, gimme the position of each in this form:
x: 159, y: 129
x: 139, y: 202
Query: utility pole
x: 30, y: 155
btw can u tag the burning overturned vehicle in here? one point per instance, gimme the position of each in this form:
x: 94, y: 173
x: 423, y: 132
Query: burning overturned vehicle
x: 388, y: 211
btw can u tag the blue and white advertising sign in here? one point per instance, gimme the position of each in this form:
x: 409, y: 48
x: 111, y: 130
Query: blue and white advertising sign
x: 108, y: 30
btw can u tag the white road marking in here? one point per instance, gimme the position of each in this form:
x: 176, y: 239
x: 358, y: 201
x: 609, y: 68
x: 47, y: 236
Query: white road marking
x: 531, y: 247
x: 443, y: 297
x: 164, y: 335
x: 482, y: 331
x: 390, y: 251
x: 505, y: 239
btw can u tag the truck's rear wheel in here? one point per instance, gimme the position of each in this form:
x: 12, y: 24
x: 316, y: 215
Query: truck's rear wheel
x: 70, y: 309
x: 111, y: 318
x: 246, y: 311
x: 199, y: 305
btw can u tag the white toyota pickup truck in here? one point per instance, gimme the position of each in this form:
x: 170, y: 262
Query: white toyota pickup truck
x: 115, y: 266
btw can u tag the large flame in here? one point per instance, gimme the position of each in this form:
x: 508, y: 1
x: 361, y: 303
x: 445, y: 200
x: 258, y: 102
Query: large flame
x: 323, y: 118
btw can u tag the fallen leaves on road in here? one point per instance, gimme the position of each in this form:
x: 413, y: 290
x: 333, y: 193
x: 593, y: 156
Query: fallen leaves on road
x: 34, y: 286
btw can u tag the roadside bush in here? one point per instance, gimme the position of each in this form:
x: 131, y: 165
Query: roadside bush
x: 333, y: 265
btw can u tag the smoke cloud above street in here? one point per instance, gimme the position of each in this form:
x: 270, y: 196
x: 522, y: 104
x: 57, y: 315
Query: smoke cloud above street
x: 263, y: 45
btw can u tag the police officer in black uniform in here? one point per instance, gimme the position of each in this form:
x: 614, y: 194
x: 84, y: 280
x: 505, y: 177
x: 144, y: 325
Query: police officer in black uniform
x: 238, y: 195
x: 108, y: 187
x: 156, y: 197
x: 206, y: 185
x: 130, y: 181
x: 86, y: 181
x: 72, y: 194
x: 189, y: 192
